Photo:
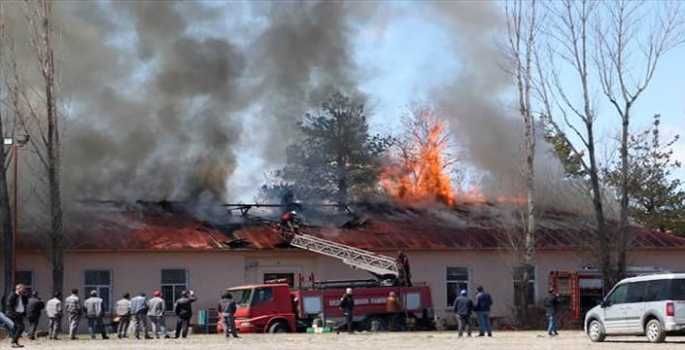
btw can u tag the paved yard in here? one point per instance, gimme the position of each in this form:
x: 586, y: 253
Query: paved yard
x: 429, y: 340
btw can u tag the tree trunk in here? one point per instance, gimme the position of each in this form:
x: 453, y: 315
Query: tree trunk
x: 602, y: 237
x: 53, y: 155
x: 6, y: 225
x: 625, y: 196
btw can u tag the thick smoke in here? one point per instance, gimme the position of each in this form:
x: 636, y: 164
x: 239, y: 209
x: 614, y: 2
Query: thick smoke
x: 162, y: 95
x: 489, y: 129
x: 168, y: 129
x: 302, y: 57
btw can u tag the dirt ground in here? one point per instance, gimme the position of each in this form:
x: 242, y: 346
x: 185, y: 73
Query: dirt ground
x: 377, y: 341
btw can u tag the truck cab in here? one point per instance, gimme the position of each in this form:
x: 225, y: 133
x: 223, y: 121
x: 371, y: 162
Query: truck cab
x: 264, y: 308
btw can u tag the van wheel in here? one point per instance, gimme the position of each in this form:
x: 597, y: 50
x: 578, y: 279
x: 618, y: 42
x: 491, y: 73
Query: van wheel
x: 278, y: 327
x: 596, y: 331
x: 655, y: 332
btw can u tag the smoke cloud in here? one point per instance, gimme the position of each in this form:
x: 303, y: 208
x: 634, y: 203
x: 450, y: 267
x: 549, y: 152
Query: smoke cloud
x: 160, y: 94
x: 487, y: 127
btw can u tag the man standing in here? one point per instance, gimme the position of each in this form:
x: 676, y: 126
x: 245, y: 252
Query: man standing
x: 551, y: 309
x: 463, y: 306
x: 155, y: 313
x: 392, y: 307
x: 184, y: 311
x: 123, y: 311
x: 16, y: 310
x: 228, y: 308
x: 54, y: 311
x: 347, y: 307
x: 482, y: 309
x: 403, y: 261
x: 33, y: 311
x: 73, y: 306
x: 138, y: 315
x: 95, y: 310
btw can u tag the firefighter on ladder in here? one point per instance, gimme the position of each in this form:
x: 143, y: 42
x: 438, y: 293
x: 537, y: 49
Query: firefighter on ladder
x: 290, y: 221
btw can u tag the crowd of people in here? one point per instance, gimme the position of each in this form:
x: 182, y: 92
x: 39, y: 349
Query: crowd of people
x: 464, y: 308
x: 131, y: 316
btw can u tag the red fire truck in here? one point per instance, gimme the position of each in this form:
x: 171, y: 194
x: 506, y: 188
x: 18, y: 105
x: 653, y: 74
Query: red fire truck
x: 582, y: 289
x: 276, y: 308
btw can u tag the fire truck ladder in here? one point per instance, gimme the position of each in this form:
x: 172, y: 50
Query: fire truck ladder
x: 358, y: 258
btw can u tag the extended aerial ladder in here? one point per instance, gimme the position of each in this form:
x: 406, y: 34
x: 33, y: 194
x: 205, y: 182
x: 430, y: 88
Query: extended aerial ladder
x: 377, y: 264
x: 383, y: 267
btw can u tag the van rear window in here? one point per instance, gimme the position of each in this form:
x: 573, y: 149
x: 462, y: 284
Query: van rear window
x: 677, y: 289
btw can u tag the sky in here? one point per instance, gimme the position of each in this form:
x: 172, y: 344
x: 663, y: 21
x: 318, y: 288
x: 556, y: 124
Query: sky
x: 408, y: 56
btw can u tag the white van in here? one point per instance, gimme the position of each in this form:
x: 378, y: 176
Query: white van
x: 653, y: 305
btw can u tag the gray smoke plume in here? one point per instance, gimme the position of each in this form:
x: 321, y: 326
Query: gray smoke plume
x: 159, y: 93
x: 168, y: 129
x: 488, y: 127
x: 301, y: 58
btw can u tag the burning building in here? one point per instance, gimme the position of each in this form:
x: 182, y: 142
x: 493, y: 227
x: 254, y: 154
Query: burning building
x: 121, y: 247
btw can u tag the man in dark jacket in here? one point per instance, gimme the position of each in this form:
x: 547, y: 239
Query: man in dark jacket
x: 184, y: 311
x: 482, y: 309
x: 347, y: 307
x: 228, y: 307
x: 16, y: 310
x: 405, y: 272
x: 551, y: 309
x: 33, y: 310
x: 463, y: 306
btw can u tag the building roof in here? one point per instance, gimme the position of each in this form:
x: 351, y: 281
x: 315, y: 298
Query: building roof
x: 164, y: 226
x: 106, y: 226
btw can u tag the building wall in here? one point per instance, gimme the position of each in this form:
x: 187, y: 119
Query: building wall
x: 209, y: 273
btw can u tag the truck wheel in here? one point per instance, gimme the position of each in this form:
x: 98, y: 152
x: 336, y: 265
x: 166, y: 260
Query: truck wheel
x: 278, y: 327
x: 655, y: 332
x: 596, y: 331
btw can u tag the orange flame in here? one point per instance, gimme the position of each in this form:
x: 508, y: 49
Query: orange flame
x: 417, y: 170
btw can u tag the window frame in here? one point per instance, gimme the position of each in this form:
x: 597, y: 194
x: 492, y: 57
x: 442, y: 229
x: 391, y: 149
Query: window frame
x: 97, y: 287
x: 532, y: 284
x: 270, y: 298
x: 169, y: 305
x: 613, y: 292
x: 29, y: 287
x: 450, y: 303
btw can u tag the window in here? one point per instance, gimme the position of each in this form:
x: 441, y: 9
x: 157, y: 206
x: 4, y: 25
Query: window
x: 618, y: 296
x: 636, y: 292
x: 101, y: 282
x: 174, y: 281
x: 677, y: 290
x: 457, y: 279
x: 656, y: 290
x: 25, y: 277
x: 519, y: 284
x: 290, y: 277
x: 262, y: 295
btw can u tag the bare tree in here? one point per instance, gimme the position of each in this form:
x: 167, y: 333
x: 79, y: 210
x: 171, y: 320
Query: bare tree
x: 623, y: 82
x: 590, y: 38
x: 522, y: 30
x: 5, y: 210
x: 45, y: 120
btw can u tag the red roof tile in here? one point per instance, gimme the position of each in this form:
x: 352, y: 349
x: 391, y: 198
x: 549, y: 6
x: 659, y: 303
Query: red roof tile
x: 136, y: 227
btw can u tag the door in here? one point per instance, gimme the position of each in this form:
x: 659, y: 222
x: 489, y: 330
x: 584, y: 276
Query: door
x: 615, y: 310
x: 635, y: 307
x: 677, y: 294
